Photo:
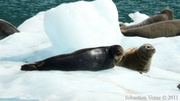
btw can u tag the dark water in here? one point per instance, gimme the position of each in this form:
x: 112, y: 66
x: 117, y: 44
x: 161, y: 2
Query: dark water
x: 17, y: 11
x: 149, y: 7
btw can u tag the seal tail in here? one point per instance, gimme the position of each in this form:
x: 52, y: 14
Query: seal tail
x: 28, y: 67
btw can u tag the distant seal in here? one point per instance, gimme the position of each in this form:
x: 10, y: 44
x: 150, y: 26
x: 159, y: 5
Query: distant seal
x: 165, y: 14
x: 6, y: 29
x: 138, y: 59
x: 92, y: 59
x: 167, y: 28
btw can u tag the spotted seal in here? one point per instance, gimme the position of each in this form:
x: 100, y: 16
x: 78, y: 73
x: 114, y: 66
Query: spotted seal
x: 138, y: 59
x: 167, y: 28
x: 92, y: 59
x: 165, y: 14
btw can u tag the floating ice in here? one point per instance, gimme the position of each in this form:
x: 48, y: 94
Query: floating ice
x: 82, y: 25
x: 137, y: 17
x: 76, y: 25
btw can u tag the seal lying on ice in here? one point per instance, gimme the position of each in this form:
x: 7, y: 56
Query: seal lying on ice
x: 6, y: 29
x: 165, y: 14
x: 167, y: 28
x: 92, y: 59
x: 138, y: 59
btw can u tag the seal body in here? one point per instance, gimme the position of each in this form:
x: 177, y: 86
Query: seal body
x: 138, y: 59
x: 166, y: 14
x: 92, y: 59
x: 167, y: 28
x: 6, y: 29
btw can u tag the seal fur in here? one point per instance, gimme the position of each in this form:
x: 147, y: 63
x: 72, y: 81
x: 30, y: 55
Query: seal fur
x: 93, y: 59
x: 167, y: 28
x: 7, y: 29
x: 138, y: 59
x: 165, y: 14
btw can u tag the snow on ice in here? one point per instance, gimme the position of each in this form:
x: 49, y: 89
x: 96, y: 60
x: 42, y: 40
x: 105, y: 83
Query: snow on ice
x: 73, y: 26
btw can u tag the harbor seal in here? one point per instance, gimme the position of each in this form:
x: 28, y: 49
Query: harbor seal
x: 167, y: 28
x: 138, y: 59
x: 165, y: 14
x: 92, y: 59
x: 6, y: 29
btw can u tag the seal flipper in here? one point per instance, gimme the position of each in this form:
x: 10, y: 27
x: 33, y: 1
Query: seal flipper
x: 31, y: 67
x: 28, y: 67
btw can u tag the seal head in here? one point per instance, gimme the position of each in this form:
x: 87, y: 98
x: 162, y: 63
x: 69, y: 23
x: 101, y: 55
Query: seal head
x: 168, y: 12
x: 138, y: 59
x: 117, y: 51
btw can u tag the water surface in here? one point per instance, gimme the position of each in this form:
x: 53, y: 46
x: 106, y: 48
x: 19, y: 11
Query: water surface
x: 17, y: 11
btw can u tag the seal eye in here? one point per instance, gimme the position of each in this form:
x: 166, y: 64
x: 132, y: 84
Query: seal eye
x: 148, y: 47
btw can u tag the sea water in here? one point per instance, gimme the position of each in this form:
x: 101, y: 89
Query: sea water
x: 17, y: 11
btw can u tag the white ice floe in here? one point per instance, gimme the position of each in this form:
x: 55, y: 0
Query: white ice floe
x: 73, y: 26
